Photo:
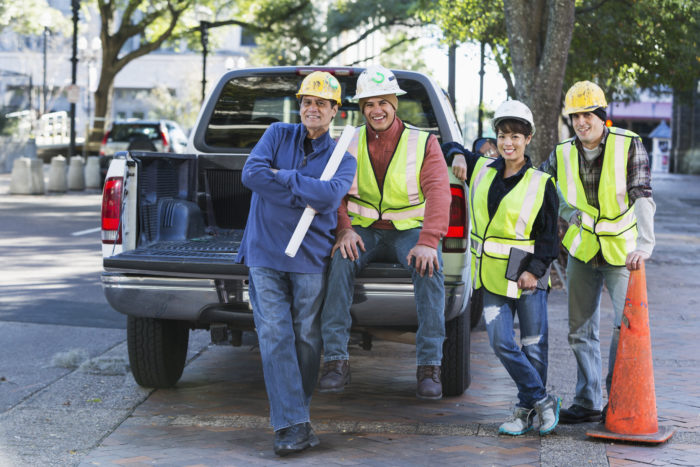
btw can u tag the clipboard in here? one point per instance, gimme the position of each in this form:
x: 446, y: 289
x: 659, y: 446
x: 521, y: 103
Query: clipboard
x: 517, y: 262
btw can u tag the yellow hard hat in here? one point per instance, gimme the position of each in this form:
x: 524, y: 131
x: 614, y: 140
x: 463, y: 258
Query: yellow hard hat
x: 320, y: 84
x: 584, y: 96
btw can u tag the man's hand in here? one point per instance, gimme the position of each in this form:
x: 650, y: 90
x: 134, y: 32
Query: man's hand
x: 426, y: 259
x: 347, y: 242
x: 459, y: 167
x: 274, y: 171
x: 635, y: 259
x: 527, y: 281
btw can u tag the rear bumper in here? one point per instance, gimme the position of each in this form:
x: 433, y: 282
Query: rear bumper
x: 388, y: 303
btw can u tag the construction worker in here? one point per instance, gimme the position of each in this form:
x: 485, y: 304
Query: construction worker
x: 397, y: 211
x: 513, y: 210
x: 283, y: 171
x: 605, y: 187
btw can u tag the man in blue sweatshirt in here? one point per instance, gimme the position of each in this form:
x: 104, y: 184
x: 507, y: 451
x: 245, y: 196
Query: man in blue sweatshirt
x: 283, y: 171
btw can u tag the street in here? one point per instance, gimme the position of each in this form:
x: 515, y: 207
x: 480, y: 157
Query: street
x: 67, y: 398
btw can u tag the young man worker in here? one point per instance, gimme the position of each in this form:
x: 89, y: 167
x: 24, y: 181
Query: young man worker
x: 397, y: 210
x: 283, y: 171
x: 605, y: 187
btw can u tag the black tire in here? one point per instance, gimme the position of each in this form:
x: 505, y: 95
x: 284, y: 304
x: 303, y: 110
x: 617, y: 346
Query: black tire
x: 476, y: 307
x: 455, y: 357
x: 157, y: 350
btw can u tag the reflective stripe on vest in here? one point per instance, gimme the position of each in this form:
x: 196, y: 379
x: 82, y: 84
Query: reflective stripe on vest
x: 401, y: 201
x: 511, y: 226
x: 611, y: 229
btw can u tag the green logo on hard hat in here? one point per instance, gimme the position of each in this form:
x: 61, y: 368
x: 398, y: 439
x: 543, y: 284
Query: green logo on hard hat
x: 333, y: 82
x: 379, y: 78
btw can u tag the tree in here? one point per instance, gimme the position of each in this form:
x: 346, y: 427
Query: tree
x: 288, y: 31
x: 623, y: 45
x: 312, y: 36
x: 539, y: 34
x: 26, y: 17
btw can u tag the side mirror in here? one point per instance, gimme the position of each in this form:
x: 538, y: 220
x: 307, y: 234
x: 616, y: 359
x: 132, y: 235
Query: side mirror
x: 485, y: 146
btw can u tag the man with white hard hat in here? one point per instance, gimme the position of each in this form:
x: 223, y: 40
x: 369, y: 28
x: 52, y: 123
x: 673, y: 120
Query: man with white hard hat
x: 397, y: 210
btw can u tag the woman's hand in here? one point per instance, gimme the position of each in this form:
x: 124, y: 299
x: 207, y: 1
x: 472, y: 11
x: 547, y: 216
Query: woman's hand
x: 459, y: 166
x: 527, y: 281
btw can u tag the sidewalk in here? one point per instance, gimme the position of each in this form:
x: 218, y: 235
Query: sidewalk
x: 217, y: 414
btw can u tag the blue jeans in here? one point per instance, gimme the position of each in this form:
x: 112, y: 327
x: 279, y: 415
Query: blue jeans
x: 286, y: 311
x: 390, y: 246
x: 527, y: 366
x: 585, y: 284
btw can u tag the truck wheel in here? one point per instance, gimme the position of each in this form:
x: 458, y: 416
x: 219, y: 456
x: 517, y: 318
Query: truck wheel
x: 476, y: 307
x: 157, y: 350
x: 455, y: 357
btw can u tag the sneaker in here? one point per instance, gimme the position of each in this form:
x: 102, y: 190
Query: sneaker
x: 519, y: 423
x: 579, y: 414
x: 295, y: 438
x: 548, y: 412
x: 428, y: 384
x: 334, y: 376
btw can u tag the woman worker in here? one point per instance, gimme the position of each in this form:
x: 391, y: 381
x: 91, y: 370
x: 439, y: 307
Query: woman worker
x: 513, y: 209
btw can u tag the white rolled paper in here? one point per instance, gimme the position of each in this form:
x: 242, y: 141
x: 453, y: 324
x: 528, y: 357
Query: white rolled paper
x: 331, y: 166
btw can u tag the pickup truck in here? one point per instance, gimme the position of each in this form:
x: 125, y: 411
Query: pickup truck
x: 172, y: 225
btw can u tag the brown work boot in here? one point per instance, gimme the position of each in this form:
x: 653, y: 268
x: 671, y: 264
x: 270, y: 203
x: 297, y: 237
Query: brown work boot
x: 429, y: 385
x: 334, y: 376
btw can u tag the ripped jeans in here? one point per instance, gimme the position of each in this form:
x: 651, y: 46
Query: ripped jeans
x: 526, y: 365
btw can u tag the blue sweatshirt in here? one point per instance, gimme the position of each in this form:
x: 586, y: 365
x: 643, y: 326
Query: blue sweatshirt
x: 280, y: 198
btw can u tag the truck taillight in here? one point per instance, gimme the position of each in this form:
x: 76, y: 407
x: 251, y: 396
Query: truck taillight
x: 111, y: 211
x: 104, y: 141
x: 456, y: 239
x: 165, y: 141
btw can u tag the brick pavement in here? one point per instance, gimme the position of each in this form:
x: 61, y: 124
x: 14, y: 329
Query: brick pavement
x: 217, y: 414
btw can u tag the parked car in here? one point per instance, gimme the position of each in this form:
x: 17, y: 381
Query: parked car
x: 141, y: 135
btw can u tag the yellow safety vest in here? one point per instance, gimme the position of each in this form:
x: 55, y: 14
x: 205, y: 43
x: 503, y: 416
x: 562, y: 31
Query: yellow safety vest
x: 492, y: 238
x: 612, y: 228
x: 401, y: 199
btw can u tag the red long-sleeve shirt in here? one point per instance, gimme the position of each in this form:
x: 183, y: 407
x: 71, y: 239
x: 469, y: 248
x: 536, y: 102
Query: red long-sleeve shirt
x: 434, y: 181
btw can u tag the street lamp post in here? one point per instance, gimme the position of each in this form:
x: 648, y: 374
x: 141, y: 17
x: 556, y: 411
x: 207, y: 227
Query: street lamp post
x: 204, y: 38
x: 43, y: 88
x: 75, y: 4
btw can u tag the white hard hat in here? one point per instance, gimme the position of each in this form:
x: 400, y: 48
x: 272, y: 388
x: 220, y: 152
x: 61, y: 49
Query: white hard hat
x: 515, y: 110
x: 377, y: 81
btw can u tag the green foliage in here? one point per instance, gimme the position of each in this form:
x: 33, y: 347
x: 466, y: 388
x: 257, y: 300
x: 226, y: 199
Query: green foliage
x: 30, y: 17
x: 624, y: 44
x: 621, y: 44
x: 311, y: 35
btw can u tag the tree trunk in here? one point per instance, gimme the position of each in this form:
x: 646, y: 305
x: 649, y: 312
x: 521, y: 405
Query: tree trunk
x: 103, y: 105
x: 539, y: 35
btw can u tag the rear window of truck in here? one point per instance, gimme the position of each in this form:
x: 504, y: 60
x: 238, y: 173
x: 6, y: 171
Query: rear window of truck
x: 247, y: 105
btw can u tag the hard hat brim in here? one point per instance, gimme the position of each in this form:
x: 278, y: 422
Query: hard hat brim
x: 357, y: 97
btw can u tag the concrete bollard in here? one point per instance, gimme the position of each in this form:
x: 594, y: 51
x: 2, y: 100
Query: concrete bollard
x: 93, y: 177
x: 27, y: 177
x: 57, y: 175
x: 76, y: 174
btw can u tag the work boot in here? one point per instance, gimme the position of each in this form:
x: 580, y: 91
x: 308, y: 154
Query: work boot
x: 429, y: 385
x: 294, y: 439
x: 548, y: 412
x: 519, y: 423
x: 578, y: 414
x: 334, y: 376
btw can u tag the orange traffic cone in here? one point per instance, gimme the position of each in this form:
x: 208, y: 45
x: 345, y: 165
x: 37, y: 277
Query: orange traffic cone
x: 631, y: 412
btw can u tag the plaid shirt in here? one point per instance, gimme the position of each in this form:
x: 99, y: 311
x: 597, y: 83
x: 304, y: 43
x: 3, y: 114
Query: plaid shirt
x: 638, y: 175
